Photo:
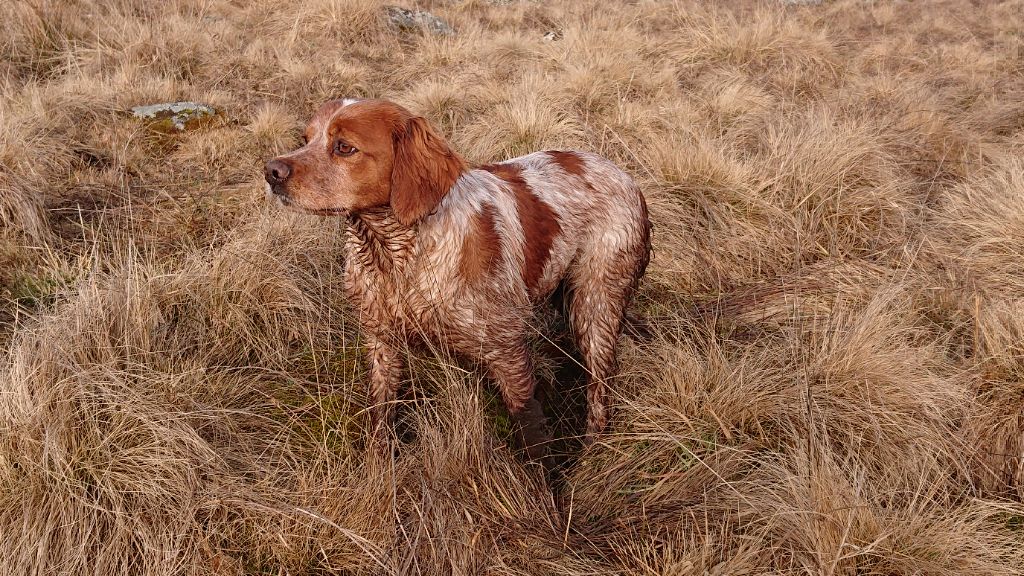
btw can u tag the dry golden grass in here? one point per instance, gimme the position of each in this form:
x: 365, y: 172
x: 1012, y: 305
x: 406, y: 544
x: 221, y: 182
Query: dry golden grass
x: 834, y: 383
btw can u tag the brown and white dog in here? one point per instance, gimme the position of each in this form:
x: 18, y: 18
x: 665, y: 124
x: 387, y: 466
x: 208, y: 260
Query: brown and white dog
x: 460, y: 255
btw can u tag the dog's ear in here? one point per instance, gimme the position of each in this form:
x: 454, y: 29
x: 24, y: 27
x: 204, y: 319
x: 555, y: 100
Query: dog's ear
x: 425, y: 169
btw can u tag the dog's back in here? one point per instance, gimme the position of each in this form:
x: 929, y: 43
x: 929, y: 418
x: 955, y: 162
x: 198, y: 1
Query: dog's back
x: 603, y: 225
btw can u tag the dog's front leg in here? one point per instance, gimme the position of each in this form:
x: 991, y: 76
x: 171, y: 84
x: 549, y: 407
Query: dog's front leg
x: 385, y: 374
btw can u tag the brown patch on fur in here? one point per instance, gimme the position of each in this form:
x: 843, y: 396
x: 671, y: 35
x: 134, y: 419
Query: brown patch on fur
x: 540, y: 223
x: 508, y: 172
x: 481, y: 248
x: 424, y: 171
x: 568, y: 161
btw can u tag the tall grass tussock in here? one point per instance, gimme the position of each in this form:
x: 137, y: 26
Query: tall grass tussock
x: 830, y: 379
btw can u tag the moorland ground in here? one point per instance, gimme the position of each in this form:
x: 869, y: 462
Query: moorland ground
x: 833, y: 379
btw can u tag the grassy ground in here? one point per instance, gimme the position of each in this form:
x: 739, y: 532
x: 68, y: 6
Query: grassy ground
x: 835, y: 382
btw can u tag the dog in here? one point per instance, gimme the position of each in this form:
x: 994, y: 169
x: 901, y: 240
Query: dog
x: 440, y: 251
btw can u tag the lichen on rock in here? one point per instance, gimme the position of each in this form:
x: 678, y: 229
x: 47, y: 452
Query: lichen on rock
x: 411, y: 20
x: 177, y: 116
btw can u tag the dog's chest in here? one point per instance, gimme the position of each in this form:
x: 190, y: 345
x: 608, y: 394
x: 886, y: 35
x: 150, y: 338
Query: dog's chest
x: 420, y: 300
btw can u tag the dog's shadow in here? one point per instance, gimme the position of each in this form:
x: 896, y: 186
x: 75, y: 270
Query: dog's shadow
x: 551, y: 432
x: 561, y: 389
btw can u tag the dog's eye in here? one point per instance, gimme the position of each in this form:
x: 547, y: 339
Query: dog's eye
x: 342, y: 148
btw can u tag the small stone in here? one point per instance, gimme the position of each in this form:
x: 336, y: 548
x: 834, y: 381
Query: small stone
x: 410, y: 20
x: 177, y: 116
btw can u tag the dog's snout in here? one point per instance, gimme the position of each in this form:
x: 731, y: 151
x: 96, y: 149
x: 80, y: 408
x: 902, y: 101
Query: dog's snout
x: 277, y: 172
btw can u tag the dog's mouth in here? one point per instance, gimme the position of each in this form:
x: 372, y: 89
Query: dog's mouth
x: 324, y: 211
x: 277, y: 195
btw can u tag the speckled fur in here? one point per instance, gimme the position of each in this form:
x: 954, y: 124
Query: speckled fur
x: 585, y: 222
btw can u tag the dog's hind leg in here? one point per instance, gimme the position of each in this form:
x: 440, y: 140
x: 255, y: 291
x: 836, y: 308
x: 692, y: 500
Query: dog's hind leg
x: 601, y: 285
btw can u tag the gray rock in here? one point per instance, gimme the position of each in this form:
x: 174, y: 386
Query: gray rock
x: 174, y: 115
x: 411, y: 20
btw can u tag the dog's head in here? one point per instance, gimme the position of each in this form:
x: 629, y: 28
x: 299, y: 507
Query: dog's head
x: 363, y: 154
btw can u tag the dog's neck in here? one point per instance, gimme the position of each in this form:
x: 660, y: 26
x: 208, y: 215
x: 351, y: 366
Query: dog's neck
x: 380, y: 242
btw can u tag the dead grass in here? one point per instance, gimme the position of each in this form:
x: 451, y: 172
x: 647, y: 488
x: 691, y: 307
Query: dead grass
x: 835, y: 381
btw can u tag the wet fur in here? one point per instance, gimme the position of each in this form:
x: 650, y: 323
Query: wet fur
x: 462, y: 256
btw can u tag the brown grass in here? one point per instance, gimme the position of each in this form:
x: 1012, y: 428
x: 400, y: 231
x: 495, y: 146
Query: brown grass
x: 835, y: 379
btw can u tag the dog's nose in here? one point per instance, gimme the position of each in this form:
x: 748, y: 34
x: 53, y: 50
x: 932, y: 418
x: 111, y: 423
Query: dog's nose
x: 277, y: 171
